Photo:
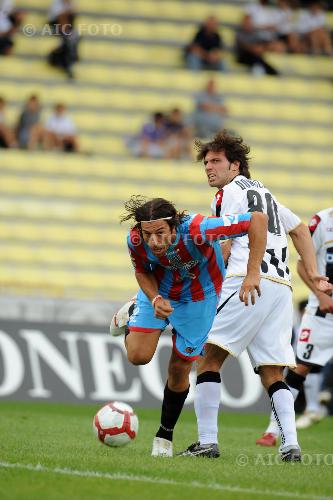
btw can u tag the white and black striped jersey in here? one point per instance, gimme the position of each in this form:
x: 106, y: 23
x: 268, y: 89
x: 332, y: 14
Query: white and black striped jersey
x: 249, y: 195
x: 321, y: 229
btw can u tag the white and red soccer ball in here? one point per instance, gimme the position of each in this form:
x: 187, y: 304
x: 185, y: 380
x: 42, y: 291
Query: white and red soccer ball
x: 116, y: 424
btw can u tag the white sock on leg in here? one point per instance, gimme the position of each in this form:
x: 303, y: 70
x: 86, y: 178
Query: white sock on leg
x: 206, y: 404
x: 282, y: 402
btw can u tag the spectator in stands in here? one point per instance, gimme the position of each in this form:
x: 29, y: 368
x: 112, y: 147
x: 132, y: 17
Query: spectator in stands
x: 312, y: 28
x: 261, y: 17
x: 178, y: 135
x: 210, y: 111
x: 61, y: 131
x: 30, y: 132
x: 250, y: 48
x: 206, y: 49
x: 62, y: 13
x: 7, y: 136
x: 61, y: 18
x: 286, y: 15
x: 10, y: 20
x: 66, y: 54
x: 152, y: 140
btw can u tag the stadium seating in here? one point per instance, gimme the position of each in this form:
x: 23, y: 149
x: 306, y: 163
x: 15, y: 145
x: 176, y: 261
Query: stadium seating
x: 59, y: 214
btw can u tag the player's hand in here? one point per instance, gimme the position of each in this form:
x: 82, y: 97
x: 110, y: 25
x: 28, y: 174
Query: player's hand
x: 249, y: 288
x: 321, y: 283
x: 325, y: 303
x: 162, y: 308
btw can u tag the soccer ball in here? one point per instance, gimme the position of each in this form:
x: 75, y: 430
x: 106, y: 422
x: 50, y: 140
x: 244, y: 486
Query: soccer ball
x: 116, y: 424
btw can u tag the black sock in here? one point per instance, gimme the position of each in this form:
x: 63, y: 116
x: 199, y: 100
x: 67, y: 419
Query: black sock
x: 172, y: 406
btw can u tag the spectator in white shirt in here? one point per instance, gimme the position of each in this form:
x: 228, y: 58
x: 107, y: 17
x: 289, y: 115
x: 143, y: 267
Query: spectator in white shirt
x: 61, y: 131
x: 312, y: 26
x: 285, y: 20
x: 62, y: 12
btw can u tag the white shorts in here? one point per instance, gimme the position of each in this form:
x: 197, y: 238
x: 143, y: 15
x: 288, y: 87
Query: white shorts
x: 315, y: 340
x: 263, y: 329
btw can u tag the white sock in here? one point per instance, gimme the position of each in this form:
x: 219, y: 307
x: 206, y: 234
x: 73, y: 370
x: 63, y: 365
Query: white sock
x: 273, y: 427
x: 206, y: 404
x: 282, y: 402
x: 311, y: 389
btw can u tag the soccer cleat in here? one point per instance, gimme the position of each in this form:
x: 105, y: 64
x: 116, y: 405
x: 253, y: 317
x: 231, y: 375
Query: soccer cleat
x: 162, y: 448
x: 291, y: 454
x: 120, y: 319
x: 309, y: 418
x: 267, y: 439
x: 201, y: 450
x: 325, y: 397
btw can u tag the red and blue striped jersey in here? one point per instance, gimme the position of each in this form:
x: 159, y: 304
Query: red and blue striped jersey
x: 192, y: 267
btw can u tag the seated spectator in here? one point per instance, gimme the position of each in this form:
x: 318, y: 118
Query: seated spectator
x: 66, y: 54
x: 206, y: 49
x: 62, y: 13
x: 152, y: 140
x: 285, y: 16
x: 262, y: 19
x: 7, y: 136
x: 210, y: 112
x: 61, y: 131
x: 178, y: 135
x: 312, y: 28
x: 29, y: 130
x: 250, y: 49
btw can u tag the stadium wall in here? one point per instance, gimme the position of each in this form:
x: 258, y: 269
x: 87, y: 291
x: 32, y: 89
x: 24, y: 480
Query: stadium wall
x: 82, y: 363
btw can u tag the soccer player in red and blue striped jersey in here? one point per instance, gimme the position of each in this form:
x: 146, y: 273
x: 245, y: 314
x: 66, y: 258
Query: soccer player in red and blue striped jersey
x: 179, y: 268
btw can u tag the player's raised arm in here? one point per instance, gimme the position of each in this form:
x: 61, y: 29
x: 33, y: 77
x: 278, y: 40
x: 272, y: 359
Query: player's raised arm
x: 208, y: 229
x: 257, y: 245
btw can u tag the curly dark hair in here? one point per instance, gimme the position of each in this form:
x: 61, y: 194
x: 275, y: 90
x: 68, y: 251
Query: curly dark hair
x: 233, y: 146
x: 139, y: 208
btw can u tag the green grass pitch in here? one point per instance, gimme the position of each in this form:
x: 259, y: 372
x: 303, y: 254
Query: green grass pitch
x: 48, y: 451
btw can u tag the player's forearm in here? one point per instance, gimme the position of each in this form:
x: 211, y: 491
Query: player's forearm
x: 302, y: 242
x: 257, y: 241
x: 304, y: 277
x: 148, y: 284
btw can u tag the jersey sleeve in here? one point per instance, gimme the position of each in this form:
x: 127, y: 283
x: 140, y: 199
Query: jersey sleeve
x: 315, y: 228
x: 208, y: 229
x: 288, y: 218
x: 137, y: 254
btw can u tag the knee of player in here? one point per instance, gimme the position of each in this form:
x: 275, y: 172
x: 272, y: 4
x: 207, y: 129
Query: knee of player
x: 270, y: 374
x: 179, y: 367
x: 137, y: 358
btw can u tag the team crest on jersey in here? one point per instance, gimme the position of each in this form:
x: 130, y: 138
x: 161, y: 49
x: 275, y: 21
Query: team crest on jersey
x: 314, y: 223
x: 305, y: 335
x: 183, y: 268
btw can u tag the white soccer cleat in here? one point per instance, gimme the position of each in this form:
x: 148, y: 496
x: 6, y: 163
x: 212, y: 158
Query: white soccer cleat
x: 162, y: 448
x: 310, y: 418
x: 120, y: 319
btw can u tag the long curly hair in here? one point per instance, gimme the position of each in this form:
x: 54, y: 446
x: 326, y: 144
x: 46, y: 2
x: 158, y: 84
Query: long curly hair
x: 139, y: 208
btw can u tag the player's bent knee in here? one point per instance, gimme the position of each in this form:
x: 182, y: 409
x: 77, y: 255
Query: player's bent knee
x: 137, y: 358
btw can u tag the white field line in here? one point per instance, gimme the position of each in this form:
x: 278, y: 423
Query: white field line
x: 149, y: 479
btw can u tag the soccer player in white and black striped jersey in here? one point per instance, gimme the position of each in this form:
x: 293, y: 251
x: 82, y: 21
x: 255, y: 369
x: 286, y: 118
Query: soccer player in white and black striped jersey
x: 263, y: 329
